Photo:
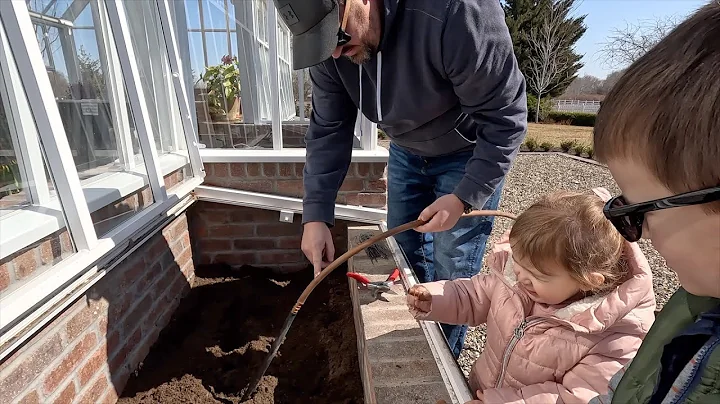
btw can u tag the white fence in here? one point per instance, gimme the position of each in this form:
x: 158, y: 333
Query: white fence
x: 576, y: 106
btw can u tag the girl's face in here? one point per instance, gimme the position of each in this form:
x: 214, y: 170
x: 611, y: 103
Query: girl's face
x: 554, y: 288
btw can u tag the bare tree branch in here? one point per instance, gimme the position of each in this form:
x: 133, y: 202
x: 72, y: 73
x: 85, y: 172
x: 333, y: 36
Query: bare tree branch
x: 548, y: 61
x: 626, y: 45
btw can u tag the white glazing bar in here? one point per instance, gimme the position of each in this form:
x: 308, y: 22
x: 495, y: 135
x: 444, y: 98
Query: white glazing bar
x: 369, y: 137
x: 136, y: 92
x: 21, y: 122
x: 275, y: 107
x: 179, y: 20
x: 25, y: 49
x: 301, y: 93
x: 244, y: 29
x: 115, y: 87
x: 178, y: 74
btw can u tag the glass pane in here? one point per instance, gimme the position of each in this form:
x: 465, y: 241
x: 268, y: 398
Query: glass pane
x: 192, y: 14
x: 93, y: 103
x: 214, y: 14
x: 33, y: 234
x: 157, y: 82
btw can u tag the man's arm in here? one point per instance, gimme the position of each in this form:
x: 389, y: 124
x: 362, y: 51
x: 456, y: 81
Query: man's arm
x: 479, y: 60
x: 329, y: 142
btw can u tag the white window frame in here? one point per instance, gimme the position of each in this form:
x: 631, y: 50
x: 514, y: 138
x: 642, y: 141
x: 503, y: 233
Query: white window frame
x: 20, y: 56
x: 250, y: 41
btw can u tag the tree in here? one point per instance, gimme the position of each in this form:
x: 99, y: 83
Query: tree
x: 549, y: 65
x: 521, y: 16
x: 626, y: 45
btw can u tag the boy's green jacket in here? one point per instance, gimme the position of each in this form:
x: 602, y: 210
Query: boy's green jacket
x: 688, y: 327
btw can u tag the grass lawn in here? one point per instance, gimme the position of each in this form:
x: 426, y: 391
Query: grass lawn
x: 555, y: 134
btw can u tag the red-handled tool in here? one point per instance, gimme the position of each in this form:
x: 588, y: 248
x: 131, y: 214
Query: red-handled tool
x: 377, y: 287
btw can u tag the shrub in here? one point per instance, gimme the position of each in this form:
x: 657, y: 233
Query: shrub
x: 590, y: 152
x: 573, y: 118
x: 381, y: 134
x: 546, y: 146
x: 580, y: 149
x: 531, y: 143
x: 545, y: 107
x: 568, y: 145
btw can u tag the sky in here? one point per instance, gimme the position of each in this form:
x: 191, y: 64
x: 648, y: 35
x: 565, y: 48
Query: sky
x: 605, y: 15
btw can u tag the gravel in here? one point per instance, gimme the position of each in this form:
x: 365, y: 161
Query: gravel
x: 534, y: 175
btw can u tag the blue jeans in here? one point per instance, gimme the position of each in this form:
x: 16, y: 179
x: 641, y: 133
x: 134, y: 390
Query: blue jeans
x: 415, y: 182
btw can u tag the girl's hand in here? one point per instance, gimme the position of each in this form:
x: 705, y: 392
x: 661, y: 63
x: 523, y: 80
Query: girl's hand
x: 419, y: 299
x: 478, y: 400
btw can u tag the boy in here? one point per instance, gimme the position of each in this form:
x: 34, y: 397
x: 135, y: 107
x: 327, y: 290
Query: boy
x: 659, y: 133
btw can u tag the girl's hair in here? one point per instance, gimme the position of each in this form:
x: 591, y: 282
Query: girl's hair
x: 569, y: 229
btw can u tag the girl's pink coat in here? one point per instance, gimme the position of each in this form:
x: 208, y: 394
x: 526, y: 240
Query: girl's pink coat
x: 567, y: 354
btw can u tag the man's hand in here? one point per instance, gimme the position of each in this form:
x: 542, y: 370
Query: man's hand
x: 419, y: 299
x: 317, y: 244
x: 445, y: 212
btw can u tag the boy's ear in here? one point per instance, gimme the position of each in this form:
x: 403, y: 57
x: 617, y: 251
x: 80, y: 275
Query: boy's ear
x: 596, y: 279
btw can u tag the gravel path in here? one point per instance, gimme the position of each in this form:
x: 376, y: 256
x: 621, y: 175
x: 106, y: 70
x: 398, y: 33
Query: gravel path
x: 536, y: 174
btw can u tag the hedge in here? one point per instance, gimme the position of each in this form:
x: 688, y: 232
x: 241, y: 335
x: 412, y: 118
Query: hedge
x: 572, y: 118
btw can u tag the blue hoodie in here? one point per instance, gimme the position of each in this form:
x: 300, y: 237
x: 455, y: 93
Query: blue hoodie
x: 444, y: 80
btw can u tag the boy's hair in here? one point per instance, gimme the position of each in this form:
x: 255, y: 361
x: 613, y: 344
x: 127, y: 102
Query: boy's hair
x: 664, y: 111
x: 569, y: 229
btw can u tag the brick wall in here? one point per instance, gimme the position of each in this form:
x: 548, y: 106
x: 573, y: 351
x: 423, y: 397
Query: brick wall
x: 237, y: 236
x: 87, y: 353
x: 365, y: 183
x: 48, y: 251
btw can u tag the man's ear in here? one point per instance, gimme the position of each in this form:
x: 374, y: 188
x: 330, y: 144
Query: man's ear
x: 596, y: 279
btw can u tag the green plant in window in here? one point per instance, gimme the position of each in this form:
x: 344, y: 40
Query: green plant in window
x: 9, y: 175
x: 223, y: 85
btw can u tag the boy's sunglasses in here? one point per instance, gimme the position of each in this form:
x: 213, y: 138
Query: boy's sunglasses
x: 628, y: 219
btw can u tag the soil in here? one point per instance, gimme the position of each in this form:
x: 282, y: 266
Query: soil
x: 223, y: 330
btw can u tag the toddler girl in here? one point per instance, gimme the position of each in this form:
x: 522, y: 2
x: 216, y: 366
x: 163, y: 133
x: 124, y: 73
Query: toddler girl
x: 567, y: 304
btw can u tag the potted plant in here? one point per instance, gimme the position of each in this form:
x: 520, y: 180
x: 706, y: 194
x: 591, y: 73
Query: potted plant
x: 223, y: 89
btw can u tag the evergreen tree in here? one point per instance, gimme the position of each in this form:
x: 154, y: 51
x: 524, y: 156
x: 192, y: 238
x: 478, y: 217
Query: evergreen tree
x: 522, y: 15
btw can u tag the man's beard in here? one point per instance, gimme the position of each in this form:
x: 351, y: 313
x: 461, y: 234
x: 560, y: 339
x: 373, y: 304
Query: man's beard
x: 364, y: 54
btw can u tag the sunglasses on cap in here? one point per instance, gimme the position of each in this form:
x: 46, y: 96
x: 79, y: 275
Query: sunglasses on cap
x: 628, y: 219
x: 343, y: 36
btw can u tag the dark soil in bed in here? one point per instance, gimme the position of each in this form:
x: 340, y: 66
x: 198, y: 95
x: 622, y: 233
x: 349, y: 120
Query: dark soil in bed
x: 223, y: 329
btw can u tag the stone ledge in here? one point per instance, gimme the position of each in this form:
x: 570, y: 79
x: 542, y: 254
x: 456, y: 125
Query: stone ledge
x: 397, y: 364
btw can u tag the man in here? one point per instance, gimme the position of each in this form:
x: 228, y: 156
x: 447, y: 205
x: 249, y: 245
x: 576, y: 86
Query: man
x: 440, y: 78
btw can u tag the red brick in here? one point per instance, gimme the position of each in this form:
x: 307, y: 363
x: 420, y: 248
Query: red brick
x: 67, y: 396
x: 69, y: 362
x: 236, y: 258
x: 238, y: 170
x: 117, y: 361
x: 4, y: 276
x: 14, y: 382
x: 254, y: 244
x: 286, y: 170
x: 376, y: 185
x: 299, y: 167
x: 378, y: 169
x: 273, y: 230
x: 270, y: 169
x: 50, y: 250
x: 290, y: 187
x: 188, y: 269
x: 363, y: 169
x: 255, y: 185
x: 113, y: 342
x: 288, y: 242
x: 98, y: 389
x: 175, y: 229
x: 280, y: 257
x: 232, y: 230
x: 352, y: 185
x: 253, y: 169
x: 111, y: 397
x: 208, y: 245
x: 66, y: 242
x: 80, y: 322
x: 253, y: 215
x: 134, y: 318
x: 31, y: 398
x: 341, y: 198
x: 375, y: 200
x: 25, y: 264
x: 92, y: 366
x: 220, y: 170
x: 184, y: 257
x: 214, y: 216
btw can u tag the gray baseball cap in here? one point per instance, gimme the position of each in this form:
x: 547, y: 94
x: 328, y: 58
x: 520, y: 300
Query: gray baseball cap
x: 314, y: 25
